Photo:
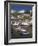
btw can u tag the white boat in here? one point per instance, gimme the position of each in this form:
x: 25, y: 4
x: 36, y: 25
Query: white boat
x: 21, y: 29
x: 16, y: 23
x: 12, y: 17
x: 24, y: 23
x: 27, y: 22
x: 25, y: 33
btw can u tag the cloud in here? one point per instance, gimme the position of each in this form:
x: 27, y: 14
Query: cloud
x: 13, y: 11
x: 21, y: 11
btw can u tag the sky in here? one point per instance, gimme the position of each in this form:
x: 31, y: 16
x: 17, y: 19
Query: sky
x: 20, y: 7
